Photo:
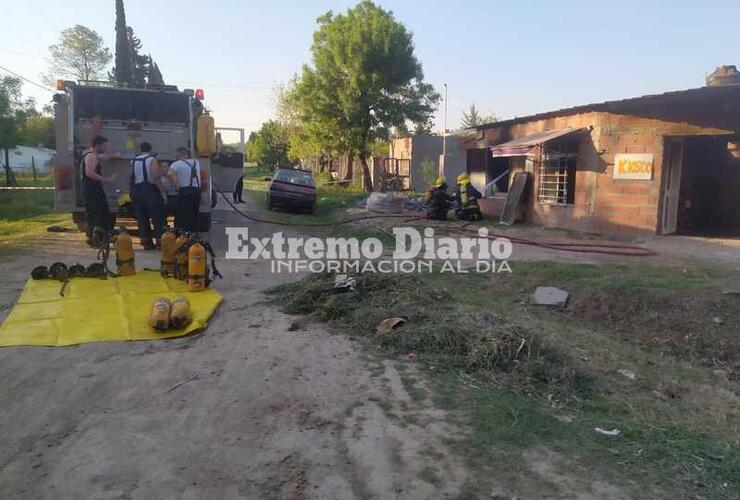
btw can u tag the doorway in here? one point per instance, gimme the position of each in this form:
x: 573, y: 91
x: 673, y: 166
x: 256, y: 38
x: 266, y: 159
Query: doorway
x: 701, y: 187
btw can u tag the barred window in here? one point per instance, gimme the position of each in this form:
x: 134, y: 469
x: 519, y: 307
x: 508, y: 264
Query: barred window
x: 557, y: 183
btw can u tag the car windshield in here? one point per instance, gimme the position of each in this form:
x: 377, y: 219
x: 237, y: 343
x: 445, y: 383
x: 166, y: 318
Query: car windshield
x: 299, y: 177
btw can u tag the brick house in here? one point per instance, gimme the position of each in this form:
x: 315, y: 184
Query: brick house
x: 654, y: 164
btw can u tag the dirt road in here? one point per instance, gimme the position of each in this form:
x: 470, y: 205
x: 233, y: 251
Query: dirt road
x: 256, y: 406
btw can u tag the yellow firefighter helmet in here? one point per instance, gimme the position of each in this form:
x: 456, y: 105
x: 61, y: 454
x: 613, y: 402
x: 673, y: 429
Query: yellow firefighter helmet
x: 440, y: 181
x: 463, y: 179
x: 124, y: 199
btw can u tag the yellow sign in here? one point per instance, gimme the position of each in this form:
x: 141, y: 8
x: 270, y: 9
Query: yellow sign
x: 633, y: 166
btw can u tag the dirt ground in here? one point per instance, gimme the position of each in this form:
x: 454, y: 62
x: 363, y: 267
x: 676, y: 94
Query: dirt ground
x: 254, y: 407
x: 260, y: 405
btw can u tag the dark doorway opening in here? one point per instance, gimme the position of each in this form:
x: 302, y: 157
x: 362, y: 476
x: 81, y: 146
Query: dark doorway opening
x: 498, y: 169
x: 708, y: 203
x: 481, y: 160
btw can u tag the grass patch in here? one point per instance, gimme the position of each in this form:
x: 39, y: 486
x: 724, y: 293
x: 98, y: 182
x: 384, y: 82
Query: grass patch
x: 331, y: 201
x: 505, y: 369
x: 41, y: 181
x: 23, y: 212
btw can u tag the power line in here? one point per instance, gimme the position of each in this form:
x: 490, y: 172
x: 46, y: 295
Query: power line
x: 22, y: 54
x: 42, y: 15
x: 26, y: 79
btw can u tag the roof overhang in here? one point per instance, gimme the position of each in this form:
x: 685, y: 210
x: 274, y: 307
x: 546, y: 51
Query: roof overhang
x: 527, y: 144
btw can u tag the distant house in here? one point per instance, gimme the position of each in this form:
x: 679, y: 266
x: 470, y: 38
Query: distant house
x: 22, y: 157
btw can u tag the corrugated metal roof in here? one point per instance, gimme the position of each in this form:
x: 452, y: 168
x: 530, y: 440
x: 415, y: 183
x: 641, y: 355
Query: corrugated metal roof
x: 525, y: 144
x: 625, y: 105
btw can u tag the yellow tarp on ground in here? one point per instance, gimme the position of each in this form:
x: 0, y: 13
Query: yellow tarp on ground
x: 94, y: 310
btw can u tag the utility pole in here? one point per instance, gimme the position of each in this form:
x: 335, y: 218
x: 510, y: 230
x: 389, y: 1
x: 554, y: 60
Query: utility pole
x: 444, y: 137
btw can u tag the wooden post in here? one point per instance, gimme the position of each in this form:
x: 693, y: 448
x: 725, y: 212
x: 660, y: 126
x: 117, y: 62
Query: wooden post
x: 33, y: 168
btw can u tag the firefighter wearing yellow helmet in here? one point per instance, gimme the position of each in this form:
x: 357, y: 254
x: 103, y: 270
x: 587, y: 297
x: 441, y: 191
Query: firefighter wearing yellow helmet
x: 467, y: 199
x: 437, y: 201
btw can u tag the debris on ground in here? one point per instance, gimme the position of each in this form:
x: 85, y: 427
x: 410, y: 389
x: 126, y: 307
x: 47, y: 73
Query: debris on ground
x: 550, y: 296
x: 717, y: 320
x: 566, y: 419
x: 611, y: 433
x: 58, y: 229
x: 627, y: 374
x: 389, y: 324
x: 410, y: 356
x: 412, y: 204
x: 384, y: 203
x: 344, y: 283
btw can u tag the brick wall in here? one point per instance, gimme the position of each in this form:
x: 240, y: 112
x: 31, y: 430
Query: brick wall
x: 603, y: 204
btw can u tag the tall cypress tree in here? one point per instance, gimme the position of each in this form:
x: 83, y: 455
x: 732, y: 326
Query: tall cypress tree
x: 122, y: 72
x: 155, y: 75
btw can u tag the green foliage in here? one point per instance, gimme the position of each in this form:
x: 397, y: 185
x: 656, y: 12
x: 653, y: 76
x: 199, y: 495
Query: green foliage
x: 364, y: 81
x: 132, y: 68
x: 80, y: 54
x: 14, y: 111
x: 473, y: 118
x: 269, y: 146
x: 37, y: 130
x: 429, y: 171
x: 123, y: 71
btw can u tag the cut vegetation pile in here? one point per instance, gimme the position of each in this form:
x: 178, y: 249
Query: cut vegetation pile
x: 438, y: 326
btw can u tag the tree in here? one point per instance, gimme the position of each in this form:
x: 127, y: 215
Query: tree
x: 122, y: 72
x: 364, y: 81
x: 139, y: 63
x: 269, y: 146
x: 13, y: 112
x: 37, y: 129
x: 472, y: 118
x: 154, y: 75
x: 80, y: 54
x: 132, y: 69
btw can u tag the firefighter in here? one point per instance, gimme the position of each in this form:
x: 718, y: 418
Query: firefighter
x: 185, y: 175
x: 96, y: 204
x: 437, y: 201
x: 467, y: 199
x: 149, y: 196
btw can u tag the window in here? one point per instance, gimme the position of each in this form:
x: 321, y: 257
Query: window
x: 557, y: 184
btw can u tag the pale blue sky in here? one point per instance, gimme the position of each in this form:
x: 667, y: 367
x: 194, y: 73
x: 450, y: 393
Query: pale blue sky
x: 511, y: 58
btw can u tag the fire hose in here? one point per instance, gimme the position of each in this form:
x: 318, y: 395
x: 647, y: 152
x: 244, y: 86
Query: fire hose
x: 595, y: 248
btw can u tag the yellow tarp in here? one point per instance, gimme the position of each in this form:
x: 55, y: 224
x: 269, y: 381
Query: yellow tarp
x: 94, y: 310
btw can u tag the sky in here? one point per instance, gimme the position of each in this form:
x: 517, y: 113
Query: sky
x: 509, y: 58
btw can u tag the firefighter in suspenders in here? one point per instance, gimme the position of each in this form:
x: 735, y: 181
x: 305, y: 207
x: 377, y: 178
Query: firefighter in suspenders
x: 149, y: 197
x: 185, y: 175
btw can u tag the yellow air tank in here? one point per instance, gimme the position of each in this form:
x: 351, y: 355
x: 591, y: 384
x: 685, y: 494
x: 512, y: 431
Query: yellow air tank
x: 124, y: 246
x: 180, y: 312
x: 205, y: 138
x: 197, y: 267
x: 159, y: 317
x: 181, y: 257
x: 167, y: 263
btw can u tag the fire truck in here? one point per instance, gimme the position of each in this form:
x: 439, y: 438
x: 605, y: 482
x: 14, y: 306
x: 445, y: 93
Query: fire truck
x: 163, y: 116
